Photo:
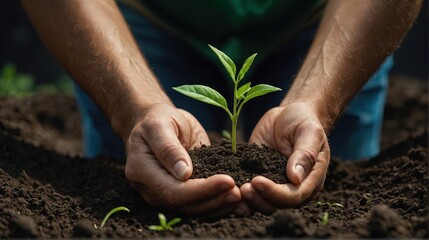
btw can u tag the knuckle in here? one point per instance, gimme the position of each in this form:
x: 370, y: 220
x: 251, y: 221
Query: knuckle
x: 310, y: 155
x: 152, y: 124
x: 317, y: 131
x: 169, y: 151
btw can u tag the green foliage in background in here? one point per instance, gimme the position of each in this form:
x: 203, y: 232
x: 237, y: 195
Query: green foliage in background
x: 14, y: 83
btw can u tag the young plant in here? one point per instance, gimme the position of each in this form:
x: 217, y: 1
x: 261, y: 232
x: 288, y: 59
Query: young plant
x: 163, y: 224
x: 242, y: 92
x: 13, y: 83
x: 225, y: 134
x: 328, y: 206
x: 114, y: 210
x: 366, y: 199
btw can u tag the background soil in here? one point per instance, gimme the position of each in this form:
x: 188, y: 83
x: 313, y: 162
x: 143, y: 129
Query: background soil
x: 48, y: 190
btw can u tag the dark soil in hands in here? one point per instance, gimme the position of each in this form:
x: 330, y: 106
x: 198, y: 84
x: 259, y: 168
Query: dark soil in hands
x: 249, y: 161
x: 48, y: 191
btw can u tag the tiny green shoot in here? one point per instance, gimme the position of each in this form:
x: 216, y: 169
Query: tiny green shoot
x: 242, y: 92
x: 367, y: 199
x: 13, y: 83
x: 114, y: 210
x: 226, y: 134
x: 328, y: 206
x: 163, y: 224
x: 325, y: 218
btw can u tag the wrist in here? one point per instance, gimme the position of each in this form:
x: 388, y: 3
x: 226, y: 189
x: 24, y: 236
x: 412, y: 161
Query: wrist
x: 129, y: 110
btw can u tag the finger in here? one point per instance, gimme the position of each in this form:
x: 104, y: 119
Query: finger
x: 289, y: 195
x: 251, y: 196
x: 308, y: 144
x: 178, y: 193
x: 199, y: 136
x: 143, y: 168
x: 263, y: 133
x: 224, y: 203
x: 162, y: 136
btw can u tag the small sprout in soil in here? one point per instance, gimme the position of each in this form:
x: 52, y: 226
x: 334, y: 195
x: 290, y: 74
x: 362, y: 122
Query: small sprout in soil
x: 328, y: 206
x: 225, y: 134
x: 163, y: 224
x: 242, y: 92
x: 325, y: 218
x: 114, y: 210
x: 366, y: 199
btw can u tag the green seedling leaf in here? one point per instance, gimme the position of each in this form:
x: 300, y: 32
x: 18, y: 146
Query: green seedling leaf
x: 245, y: 67
x: 163, y: 224
x: 114, y: 210
x: 337, y: 205
x: 174, y: 221
x: 24, y: 82
x: 156, y: 228
x: 260, y: 90
x: 204, y: 94
x: 226, y: 61
x: 226, y: 134
x: 162, y: 220
x: 241, y: 92
x: 8, y: 71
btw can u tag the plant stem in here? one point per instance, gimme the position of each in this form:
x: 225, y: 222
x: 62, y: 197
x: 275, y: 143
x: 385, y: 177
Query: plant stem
x: 234, y: 121
x: 112, y: 212
x: 234, y: 135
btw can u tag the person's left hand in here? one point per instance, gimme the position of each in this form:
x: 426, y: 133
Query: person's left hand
x: 296, y: 132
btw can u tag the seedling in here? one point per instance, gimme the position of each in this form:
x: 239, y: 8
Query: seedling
x: 13, y: 83
x: 163, y: 224
x: 242, y: 92
x: 225, y: 134
x: 328, y: 206
x: 366, y: 199
x: 114, y: 210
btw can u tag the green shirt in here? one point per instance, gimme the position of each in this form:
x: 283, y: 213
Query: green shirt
x: 237, y: 27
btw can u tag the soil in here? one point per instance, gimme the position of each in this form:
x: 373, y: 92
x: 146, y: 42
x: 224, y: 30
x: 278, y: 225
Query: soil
x: 248, y: 162
x: 49, y: 191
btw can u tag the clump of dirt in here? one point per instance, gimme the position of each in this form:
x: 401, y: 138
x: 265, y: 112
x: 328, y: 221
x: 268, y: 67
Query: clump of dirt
x: 249, y: 161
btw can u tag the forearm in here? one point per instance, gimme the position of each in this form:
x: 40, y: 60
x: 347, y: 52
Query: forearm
x: 93, y: 43
x: 353, y: 39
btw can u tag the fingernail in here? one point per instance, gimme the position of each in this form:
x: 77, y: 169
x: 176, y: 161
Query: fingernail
x: 180, y: 169
x: 231, y: 198
x: 300, y: 171
x: 248, y: 196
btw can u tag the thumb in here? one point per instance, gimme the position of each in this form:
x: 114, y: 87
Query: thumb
x: 309, y: 143
x: 163, y: 140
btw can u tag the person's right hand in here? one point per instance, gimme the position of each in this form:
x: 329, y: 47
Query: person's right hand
x: 158, y: 165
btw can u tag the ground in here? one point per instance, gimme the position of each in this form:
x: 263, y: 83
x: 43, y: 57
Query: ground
x: 49, y: 190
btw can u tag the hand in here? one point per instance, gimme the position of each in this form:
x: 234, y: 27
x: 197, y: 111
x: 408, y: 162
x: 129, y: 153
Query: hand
x: 158, y: 165
x: 296, y: 132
